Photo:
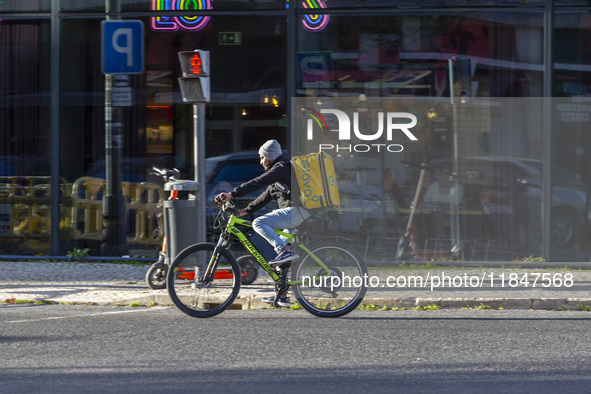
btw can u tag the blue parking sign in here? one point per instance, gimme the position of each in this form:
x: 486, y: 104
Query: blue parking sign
x: 123, y: 47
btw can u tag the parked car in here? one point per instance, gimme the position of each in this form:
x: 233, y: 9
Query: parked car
x: 24, y: 165
x: 364, y: 207
x: 514, y: 186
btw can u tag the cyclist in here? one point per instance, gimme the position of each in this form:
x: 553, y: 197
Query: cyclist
x: 277, y: 181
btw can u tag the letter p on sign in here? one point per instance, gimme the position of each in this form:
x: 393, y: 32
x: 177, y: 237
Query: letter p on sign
x: 123, y: 47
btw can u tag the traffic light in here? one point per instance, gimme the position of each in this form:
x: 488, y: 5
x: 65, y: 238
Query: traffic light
x: 195, y: 80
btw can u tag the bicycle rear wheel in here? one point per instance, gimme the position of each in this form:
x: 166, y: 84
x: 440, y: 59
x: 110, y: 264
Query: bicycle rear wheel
x: 195, y: 295
x: 334, y: 293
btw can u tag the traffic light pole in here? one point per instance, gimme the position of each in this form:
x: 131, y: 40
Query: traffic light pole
x: 194, y: 85
x: 199, y: 163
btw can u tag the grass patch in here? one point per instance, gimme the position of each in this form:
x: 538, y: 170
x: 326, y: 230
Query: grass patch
x: 481, y: 306
x: 372, y: 307
x: 427, y: 308
x: 35, y: 302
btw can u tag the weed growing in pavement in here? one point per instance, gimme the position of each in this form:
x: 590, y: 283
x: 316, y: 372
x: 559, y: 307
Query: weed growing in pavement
x: 77, y: 254
x: 426, y: 308
x: 36, y: 302
x: 372, y: 307
x: 481, y: 306
x: 583, y: 308
x: 529, y: 259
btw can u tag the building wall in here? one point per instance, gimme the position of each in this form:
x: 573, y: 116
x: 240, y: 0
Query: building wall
x: 381, y: 51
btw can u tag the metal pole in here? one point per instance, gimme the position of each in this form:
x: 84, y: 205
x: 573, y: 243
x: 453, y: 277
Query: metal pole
x: 199, y: 166
x: 455, y: 225
x: 291, y: 72
x: 547, y: 133
x: 114, y: 236
x: 55, y: 128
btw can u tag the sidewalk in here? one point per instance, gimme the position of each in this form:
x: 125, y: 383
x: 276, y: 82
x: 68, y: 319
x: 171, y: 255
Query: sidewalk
x: 122, y: 284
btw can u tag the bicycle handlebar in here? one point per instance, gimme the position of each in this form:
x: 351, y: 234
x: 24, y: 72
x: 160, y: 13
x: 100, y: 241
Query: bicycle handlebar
x: 228, y: 206
x: 166, y: 174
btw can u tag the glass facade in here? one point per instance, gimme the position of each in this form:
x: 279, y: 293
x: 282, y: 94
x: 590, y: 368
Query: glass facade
x: 499, y: 90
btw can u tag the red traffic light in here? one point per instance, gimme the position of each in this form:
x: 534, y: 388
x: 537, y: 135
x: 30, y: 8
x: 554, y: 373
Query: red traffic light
x: 196, y: 63
x: 195, y: 81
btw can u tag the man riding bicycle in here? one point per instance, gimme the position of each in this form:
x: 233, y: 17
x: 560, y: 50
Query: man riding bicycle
x: 277, y: 181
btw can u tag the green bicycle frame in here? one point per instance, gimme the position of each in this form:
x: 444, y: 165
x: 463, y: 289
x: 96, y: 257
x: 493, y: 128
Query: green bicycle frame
x: 232, y: 229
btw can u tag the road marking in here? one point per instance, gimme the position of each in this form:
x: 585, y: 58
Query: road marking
x: 88, y: 314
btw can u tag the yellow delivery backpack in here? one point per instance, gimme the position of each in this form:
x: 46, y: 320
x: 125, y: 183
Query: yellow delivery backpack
x: 317, y: 180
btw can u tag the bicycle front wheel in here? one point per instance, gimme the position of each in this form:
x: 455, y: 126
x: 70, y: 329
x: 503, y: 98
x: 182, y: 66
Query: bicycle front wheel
x: 332, y: 291
x: 196, y: 295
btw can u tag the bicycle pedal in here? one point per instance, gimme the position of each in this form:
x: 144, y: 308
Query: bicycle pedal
x: 282, y: 267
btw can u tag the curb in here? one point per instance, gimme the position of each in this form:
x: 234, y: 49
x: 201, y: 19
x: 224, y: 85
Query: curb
x: 242, y: 302
x: 249, y: 301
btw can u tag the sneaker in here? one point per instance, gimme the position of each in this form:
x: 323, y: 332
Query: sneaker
x: 284, y: 257
x: 283, y: 301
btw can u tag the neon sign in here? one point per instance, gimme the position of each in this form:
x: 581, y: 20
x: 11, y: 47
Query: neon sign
x: 312, y: 22
x: 315, y: 22
x: 174, y: 23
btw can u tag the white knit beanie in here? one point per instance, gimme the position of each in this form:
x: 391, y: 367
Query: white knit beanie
x: 270, y: 149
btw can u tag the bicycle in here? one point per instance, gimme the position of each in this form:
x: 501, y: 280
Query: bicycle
x: 156, y: 274
x: 327, y: 280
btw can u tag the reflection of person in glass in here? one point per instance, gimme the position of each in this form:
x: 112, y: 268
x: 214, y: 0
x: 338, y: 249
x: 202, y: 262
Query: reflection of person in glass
x: 444, y: 190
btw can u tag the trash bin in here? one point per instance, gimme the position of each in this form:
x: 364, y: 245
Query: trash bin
x: 181, y: 217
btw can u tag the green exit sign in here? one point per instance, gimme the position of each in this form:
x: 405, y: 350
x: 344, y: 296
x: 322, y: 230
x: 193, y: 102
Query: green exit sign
x: 230, y: 38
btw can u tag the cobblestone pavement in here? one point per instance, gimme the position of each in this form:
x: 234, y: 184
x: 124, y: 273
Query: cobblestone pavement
x: 72, y: 282
x: 124, y: 284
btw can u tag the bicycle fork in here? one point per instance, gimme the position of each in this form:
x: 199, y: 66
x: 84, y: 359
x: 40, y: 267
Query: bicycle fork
x: 210, y: 271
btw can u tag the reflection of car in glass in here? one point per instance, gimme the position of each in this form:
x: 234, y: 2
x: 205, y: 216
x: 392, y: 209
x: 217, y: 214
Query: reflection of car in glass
x: 24, y: 166
x: 224, y: 173
x: 514, y: 186
x: 363, y: 207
